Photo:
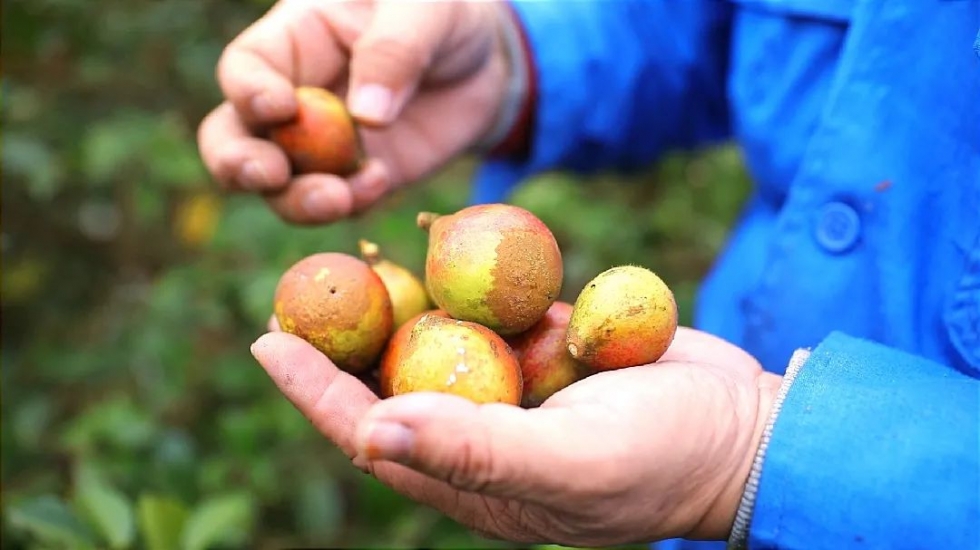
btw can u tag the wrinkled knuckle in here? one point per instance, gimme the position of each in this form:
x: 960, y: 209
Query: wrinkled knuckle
x: 222, y: 171
x: 392, y: 55
x: 613, y: 477
x: 320, y: 417
x: 221, y: 65
x: 298, y: 218
x: 472, y: 469
x: 209, y: 142
x: 364, y: 201
x: 236, y: 67
x: 287, y: 212
x: 224, y: 70
x: 226, y: 169
x: 205, y: 125
x: 486, y: 529
x: 494, y: 531
x: 606, y: 478
x: 502, y: 522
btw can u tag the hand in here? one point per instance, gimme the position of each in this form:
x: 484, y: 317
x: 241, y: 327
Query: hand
x: 627, y: 456
x: 427, y: 77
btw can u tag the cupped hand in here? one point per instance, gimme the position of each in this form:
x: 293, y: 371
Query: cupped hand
x: 634, y: 455
x: 424, y: 78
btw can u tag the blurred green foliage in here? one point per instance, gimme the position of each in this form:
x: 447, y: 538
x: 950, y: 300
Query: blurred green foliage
x: 133, y: 415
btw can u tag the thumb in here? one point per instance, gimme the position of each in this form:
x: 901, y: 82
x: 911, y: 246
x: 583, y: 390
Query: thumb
x: 494, y: 449
x: 389, y: 59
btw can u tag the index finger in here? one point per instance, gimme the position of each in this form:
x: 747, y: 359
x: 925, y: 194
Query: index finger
x: 236, y: 158
x: 292, y: 45
x: 335, y: 401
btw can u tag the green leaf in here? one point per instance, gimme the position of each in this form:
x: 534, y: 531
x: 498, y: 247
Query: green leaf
x: 377, y: 502
x: 320, y: 508
x: 241, y: 430
x: 257, y: 294
x: 413, y: 529
x: 105, y: 506
x: 117, y: 420
x: 29, y: 157
x: 48, y: 519
x: 234, y: 377
x: 175, y: 160
x: 148, y: 209
x: 31, y: 421
x: 161, y: 522
x: 113, y: 142
x: 219, y: 520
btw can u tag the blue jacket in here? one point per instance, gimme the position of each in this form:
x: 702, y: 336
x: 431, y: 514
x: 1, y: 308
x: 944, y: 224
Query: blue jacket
x: 860, y: 124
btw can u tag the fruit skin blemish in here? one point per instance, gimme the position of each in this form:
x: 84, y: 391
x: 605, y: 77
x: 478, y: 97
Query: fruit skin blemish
x: 493, y: 264
x: 338, y: 304
x: 440, y: 354
x: 485, y: 322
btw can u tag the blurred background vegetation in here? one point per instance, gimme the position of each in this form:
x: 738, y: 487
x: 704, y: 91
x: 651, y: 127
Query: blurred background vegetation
x: 133, y: 415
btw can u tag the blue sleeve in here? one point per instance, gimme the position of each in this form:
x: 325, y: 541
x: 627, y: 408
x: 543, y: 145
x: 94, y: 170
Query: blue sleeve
x: 872, y: 448
x: 618, y: 84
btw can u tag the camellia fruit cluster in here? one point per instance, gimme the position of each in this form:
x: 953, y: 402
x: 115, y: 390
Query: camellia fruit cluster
x: 485, y: 322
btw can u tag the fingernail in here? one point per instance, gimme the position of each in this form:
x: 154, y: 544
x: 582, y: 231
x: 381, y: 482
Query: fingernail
x: 387, y: 441
x: 253, y: 175
x: 368, y: 186
x: 372, y: 102
x: 318, y: 204
x: 253, y: 349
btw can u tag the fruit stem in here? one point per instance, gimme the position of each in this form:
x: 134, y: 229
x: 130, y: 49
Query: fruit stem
x: 425, y: 219
x: 369, y: 251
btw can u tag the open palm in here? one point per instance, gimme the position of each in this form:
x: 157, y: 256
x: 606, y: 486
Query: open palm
x: 634, y: 455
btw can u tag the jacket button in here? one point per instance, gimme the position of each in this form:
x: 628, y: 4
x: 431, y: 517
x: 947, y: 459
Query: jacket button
x: 838, y: 227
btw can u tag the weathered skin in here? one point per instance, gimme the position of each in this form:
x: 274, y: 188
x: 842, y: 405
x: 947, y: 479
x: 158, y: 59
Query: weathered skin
x: 625, y: 316
x: 546, y: 365
x: 337, y: 303
x: 494, y: 264
x: 392, y: 352
x: 451, y: 356
x: 408, y: 295
x: 323, y: 137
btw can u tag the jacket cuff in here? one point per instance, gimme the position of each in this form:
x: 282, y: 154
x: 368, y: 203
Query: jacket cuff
x: 509, y: 135
x: 739, y: 537
x: 873, y: 447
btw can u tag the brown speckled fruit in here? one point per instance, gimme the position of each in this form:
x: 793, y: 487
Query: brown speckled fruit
x: 408, y: 295
x: 458, y: 357
x: 493, y: 264
x: 322, y: 137
x: 546, y: 365
x: 625, y: 316
x: 337, y: 303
